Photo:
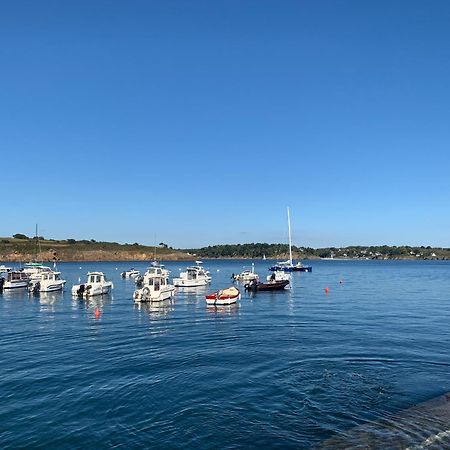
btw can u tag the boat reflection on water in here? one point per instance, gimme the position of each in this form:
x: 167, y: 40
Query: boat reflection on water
x: 426, y: 425
x: 156, y: 310
x: 225, y: 310
x: 49, y: 299
x: 15, y: 294
x: 99, y: 301
x: 192, y: 294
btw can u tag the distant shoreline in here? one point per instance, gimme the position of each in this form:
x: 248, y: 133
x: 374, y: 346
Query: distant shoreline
x: 21, y: 248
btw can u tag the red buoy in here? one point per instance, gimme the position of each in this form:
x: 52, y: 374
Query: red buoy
x: 97, y: 313
x: 327, y: 291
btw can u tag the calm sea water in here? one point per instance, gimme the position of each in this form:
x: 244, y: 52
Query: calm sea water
x: 287, y: 369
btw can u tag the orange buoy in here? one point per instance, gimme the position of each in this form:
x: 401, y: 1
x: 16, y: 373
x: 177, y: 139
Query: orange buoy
x: 327, y: 291
x: 97, y: 313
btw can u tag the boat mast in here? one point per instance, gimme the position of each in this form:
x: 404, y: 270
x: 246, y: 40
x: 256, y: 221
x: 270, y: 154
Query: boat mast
x: 289, y: 233
x: 38, y: 245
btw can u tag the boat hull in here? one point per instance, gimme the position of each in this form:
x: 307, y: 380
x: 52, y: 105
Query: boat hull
x: 291, y: 269
x: 181, y: 282
x: 269, y: 286
x: 90, y: 290
x: 15, y: 284
x: 52, y: 287
x: 147, y: 295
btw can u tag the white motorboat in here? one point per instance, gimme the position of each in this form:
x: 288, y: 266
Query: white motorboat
x: 47, y: 282
x: 15, y: 279
x: 139, y: 281
x: 247, y: 275
x: 279, y: 276
x: 96, y: 284
x: 4, y: 269
x: 132, y: 273
x: 34, y: 270
x: 155, y: 286
x: 194, y: 276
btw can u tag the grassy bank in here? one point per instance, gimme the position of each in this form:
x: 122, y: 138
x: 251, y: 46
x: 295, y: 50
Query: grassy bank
x: 20, y: 250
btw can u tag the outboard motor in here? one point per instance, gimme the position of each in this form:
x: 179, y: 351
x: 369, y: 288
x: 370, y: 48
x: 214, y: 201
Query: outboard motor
x: 80, y: 291
x: 139, y: 281
x: 251, y: 286
x: 36, y: 288
x: 2, y: 282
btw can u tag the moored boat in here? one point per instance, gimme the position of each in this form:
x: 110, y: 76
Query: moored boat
x: 96, y: 284
x: 223, y: 297
x: 155, y: 286
x: 34, y: 270
x: 193, y: 276
x: 132, y: 273
x: 47, y: 282
x: 289, y: 266
x: 246, y: 275
x: 15, y: 279
x: 272, y: 285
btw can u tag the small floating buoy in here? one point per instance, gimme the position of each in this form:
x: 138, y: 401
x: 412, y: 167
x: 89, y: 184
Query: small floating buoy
x: 97, y: 313
x: 327, y: 291
x: 341, y: 281
x: 80, y: 267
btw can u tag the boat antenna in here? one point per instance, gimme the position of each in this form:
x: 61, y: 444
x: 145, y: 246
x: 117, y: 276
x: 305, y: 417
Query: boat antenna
x: 289, y: 234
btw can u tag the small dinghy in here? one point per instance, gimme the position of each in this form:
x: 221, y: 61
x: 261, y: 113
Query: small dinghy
x: 223, y: 297
x: 269, y: 286
x: 132, y: 273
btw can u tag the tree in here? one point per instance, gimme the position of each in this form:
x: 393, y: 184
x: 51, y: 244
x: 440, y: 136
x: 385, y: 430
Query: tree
x: 20, y: 236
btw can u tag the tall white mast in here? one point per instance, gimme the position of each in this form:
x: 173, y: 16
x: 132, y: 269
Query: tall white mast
x: 289, y: 233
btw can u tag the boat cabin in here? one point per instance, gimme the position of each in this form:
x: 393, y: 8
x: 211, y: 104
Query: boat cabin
x: 17, y: 276
x: 96, y: 277
x: 156, y: 282
x: 193, y: 272
x: 51, y: 276
x: 155, y: 271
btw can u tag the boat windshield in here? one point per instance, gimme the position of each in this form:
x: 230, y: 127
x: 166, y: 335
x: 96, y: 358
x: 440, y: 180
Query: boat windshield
x: 192, y: 274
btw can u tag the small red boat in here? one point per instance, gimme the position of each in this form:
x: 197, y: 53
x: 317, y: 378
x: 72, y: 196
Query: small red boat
x: 224, y: 296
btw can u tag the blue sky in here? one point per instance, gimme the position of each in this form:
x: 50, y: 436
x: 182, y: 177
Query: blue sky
x: 199, y: 122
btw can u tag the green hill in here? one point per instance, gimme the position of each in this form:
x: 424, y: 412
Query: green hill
x: 25, y: 249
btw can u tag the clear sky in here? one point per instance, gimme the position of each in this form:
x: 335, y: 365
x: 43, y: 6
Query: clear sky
x: 198, y: 122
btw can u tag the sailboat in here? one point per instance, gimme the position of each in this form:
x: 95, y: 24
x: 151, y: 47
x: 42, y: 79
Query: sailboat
x: 289, y: 266
x: 34, y: 268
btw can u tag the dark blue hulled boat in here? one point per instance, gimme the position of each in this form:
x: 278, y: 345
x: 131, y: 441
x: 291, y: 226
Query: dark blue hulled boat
x: 289, y: 266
